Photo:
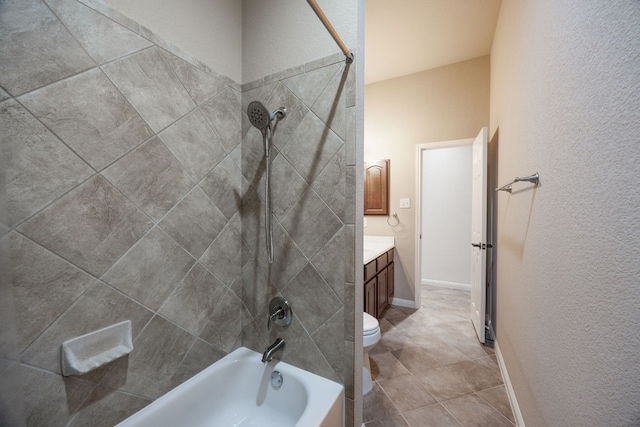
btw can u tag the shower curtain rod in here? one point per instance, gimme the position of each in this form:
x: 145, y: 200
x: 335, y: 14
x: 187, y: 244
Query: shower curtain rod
x: 332, y: 31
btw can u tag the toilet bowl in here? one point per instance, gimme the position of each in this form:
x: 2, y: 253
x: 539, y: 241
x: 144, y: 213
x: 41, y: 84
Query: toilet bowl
x: 370, y: 337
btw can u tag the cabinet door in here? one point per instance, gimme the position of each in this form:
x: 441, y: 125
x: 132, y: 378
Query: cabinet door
x: 390, y: 283
x: 376, y: 188
x: 382, y: 291
x: 370, y: 270
x: 370, y: 297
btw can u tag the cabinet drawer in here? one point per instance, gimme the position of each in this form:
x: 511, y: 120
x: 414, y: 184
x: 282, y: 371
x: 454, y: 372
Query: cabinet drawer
x: 370, y: 270
x: 382, y: 261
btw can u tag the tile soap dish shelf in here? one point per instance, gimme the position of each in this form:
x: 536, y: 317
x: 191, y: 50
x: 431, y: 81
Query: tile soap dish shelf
x: 88, y: 352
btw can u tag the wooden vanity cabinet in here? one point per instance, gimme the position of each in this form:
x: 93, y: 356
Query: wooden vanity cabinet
x: 370, y: 297
x: 378, y: 284
x: 382, y: 292
x: 390, y: 282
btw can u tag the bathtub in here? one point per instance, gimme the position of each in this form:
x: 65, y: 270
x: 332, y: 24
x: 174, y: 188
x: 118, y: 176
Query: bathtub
x: 238, y: 391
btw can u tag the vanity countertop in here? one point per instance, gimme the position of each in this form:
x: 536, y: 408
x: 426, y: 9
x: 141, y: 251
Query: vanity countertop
x: 374, y: 246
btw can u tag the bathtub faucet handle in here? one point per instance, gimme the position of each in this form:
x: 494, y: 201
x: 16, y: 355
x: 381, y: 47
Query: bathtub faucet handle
x: 280, y: 313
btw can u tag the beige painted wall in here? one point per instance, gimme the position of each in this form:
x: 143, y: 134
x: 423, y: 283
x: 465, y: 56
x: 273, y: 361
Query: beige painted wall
x: 565, y: 95
x: 441, y: 104
x: 210, y: 30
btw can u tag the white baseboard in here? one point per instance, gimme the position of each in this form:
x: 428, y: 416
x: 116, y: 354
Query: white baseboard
x: 510, y: 392
x: 443, y: 284
x: 403, y: 303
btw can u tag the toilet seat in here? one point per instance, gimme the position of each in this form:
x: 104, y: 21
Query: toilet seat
x: 370, y: 325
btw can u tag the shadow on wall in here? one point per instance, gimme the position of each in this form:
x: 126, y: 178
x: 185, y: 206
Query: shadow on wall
x: 308, y: 186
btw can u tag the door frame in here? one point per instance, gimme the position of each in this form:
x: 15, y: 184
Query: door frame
x: 420, y: 148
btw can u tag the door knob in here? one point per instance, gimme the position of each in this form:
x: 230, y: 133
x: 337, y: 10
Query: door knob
x: 476, y: 245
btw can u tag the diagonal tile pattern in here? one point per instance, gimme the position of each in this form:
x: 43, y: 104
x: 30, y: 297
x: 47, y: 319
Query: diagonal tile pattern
x: 44, y: 286
x: 99, y: 307
x: 89, y: 26
x: 103, y: 126
x: 301, y: 222
x: 162, y: 99
x: 194, y: 144
x: 151, y: 270
x: 222, y: 113
x: 308, y: 86
x: 311, y: 147
x: 40, y: 168
x: 106, y: 219
x: 151, y: 177
x: 135, y: 186
x: 200, y: 84
x: 296, y: 111
x: 446, y: 378
x: 91, y: 226
x: 224, y: 186
x: 194, y: 300
x: 194, y: 222
x: 36, y: 48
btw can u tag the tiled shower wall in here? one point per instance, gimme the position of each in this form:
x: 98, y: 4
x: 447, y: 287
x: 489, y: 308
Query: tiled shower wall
x: 313, y: 190
x: 125, y: 175
x: 124, y: 189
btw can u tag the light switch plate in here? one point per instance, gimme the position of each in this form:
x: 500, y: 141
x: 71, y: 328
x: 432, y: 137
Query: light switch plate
x: 405, y: 203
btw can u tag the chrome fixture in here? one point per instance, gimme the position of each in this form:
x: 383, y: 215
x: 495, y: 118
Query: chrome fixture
x: 267, y: 356
x: 276, y: 379
x: 280, y: 313
x: 260, y: 118
x: 395, y: 216
x: 534, y: 179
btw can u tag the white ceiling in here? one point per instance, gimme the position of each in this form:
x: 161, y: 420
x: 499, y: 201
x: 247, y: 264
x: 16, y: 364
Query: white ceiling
x: 407, y: 36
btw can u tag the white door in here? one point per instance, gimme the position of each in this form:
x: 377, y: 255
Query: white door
x: 479, y: 233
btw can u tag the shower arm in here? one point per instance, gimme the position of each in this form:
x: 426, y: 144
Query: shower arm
x: 345, y: 50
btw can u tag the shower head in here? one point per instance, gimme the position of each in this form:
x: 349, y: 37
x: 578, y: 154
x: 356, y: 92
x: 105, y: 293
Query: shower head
x: 259, y: 115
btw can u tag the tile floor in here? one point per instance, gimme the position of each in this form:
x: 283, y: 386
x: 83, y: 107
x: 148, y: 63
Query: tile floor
x: 430, y: 370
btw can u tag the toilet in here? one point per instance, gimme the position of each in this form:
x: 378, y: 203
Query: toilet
x: 370, y: 337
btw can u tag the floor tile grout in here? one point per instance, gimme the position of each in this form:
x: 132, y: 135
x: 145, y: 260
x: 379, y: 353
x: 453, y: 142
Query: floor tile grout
x: 450, y: 343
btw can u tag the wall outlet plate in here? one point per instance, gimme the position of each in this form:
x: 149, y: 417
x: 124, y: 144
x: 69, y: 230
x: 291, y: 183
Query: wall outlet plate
x: 405, y: 203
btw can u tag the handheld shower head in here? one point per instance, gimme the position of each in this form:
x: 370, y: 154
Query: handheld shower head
x: 259, y: 116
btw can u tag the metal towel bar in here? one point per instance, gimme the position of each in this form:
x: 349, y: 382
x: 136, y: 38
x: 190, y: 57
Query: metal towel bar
x: 535, y: 179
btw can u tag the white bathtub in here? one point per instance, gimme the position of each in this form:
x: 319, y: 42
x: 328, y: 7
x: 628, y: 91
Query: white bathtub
x: 237, y: 391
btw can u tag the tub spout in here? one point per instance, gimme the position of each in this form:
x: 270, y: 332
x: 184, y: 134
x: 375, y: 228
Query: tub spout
x: 267, y: 356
